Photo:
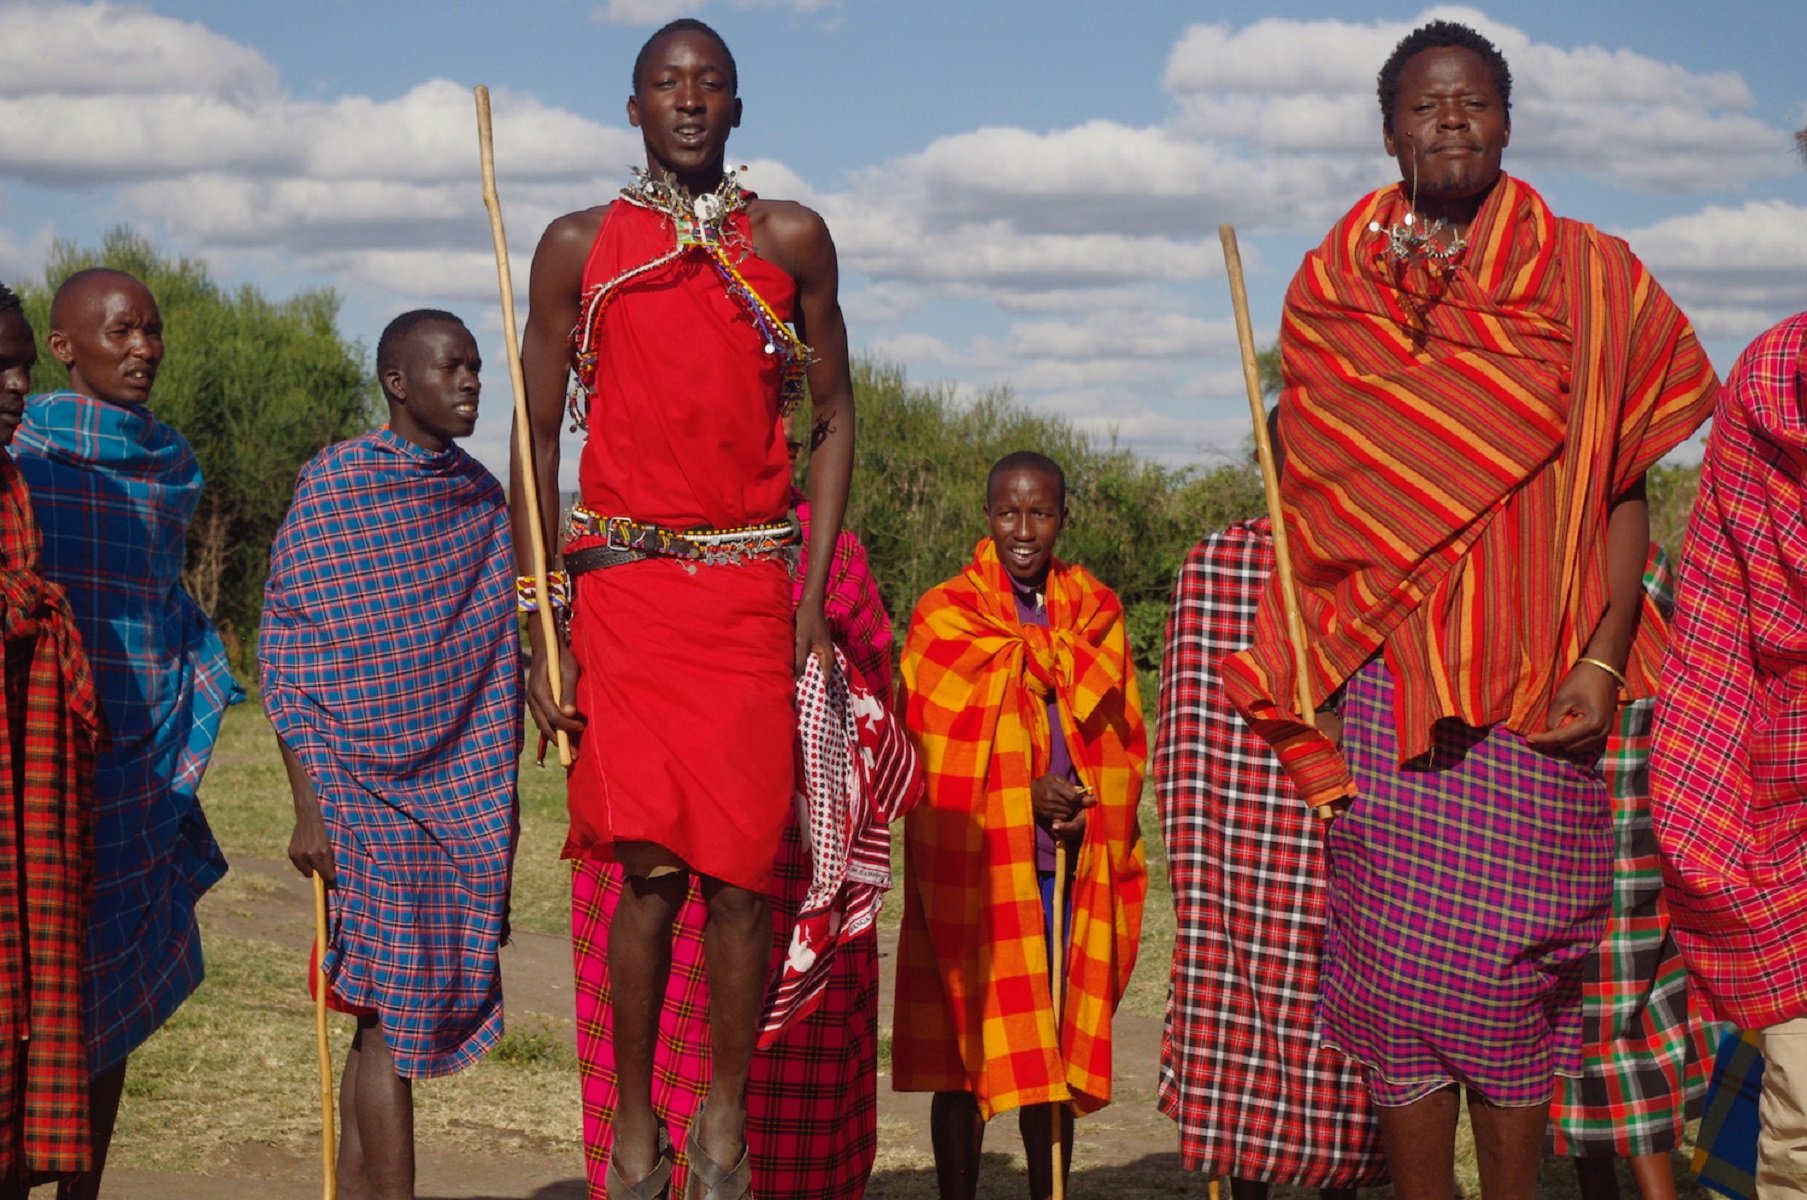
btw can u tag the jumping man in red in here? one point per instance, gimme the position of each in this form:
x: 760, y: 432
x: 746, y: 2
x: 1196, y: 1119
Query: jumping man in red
x: 693, y: 313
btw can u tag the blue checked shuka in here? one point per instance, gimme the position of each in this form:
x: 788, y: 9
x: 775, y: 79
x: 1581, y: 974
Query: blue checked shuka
x: 114, y: 490
x: 1644, y: 1052
x: 1242, y: 1074
x: 390, y: 663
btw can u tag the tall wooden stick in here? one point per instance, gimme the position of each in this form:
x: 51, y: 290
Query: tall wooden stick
x: 523, y: 434
x: 329, y: 1150
x: 1057, y: 950
x: 1270, y: 481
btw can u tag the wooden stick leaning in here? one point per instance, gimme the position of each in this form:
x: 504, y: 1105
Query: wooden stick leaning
x: 329, y: 1150
x: 1057, y: 952
x: 523, y: 433
x: 1270, y: 481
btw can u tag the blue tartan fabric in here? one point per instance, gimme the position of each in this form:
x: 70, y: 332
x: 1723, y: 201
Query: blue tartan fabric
x: 1725, y: 1145
x: 114, y: 489
x: 390, y: 661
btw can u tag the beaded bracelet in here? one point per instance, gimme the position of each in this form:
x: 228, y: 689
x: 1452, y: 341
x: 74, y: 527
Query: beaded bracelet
x: 526, y: 599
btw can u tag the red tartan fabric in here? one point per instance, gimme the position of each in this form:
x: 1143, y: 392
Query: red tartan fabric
x: 50, y: 721
x: 1453, y: 443
x: 1253, y: 1093
x: 1729, y: 797
x: 812, y: 1098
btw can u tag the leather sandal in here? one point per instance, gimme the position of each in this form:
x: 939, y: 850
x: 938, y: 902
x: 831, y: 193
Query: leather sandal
x: 708, y: 1179
x: 655, y: 1185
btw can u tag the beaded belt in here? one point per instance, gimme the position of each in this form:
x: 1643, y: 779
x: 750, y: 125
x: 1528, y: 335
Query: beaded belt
x: 625, y: 540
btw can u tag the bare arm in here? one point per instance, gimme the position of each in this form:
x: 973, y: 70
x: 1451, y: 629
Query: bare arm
x: 554, y: 300
x: 797, y: 239
x: 1582, y: 707
x: 310, y: 849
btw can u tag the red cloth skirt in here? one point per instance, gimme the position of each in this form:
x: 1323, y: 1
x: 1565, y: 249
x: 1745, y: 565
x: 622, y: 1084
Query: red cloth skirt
x: 685, y: 683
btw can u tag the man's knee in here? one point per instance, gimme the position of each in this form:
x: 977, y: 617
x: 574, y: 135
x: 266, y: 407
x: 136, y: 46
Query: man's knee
x: 737, y: 908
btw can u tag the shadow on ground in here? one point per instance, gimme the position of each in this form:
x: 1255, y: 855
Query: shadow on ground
x: 1151, y: 1177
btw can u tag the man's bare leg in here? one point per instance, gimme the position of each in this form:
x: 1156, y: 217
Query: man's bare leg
x: 1655, y: 1175
x: 957, y: 1132
x: 104, y: 1091
x: 382, y: 1113
x: 1420, y: 1141
x: 737, y: 954
x: 1508, y: 1147
x: 639, y: 965
x: 1033, y: 1121
x: 350, y: 1167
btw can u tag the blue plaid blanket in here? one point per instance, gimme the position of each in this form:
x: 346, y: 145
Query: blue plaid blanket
x: 390, y: 659
x: 114, y: 489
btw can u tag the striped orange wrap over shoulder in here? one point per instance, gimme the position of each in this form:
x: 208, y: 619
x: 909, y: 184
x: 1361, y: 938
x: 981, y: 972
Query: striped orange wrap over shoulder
x: 1454, y: 440
x: 974, y: 1004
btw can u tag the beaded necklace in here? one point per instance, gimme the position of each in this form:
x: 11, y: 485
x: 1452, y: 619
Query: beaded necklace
x: 701, y: 224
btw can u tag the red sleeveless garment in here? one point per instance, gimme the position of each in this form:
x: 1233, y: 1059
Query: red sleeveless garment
x: 685, y: 670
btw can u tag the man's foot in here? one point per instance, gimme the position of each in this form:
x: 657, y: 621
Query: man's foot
x: 654, y: 1185
x: 708, y: 1179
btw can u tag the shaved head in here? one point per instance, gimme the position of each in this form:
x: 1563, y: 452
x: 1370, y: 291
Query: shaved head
x: 85, y: 286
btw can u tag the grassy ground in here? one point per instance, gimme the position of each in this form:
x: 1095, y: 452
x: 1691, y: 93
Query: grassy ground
x: 234, y: 1067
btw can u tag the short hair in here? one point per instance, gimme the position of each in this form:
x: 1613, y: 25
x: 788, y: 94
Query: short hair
x: 1026, y: 460
x: 1438, y: 35
x: 687, y: 25
x: 389, y: 346
x: 9, y: 301
x: 78, y: 282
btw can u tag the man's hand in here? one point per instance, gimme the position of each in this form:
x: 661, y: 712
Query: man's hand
x: 812, y: 637
x: 1062, y: 804
x: 309, y: 848
x: 550, y: 717
x: 1581, y: 712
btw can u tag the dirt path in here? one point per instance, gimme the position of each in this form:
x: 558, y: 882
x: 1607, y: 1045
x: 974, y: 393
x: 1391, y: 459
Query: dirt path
x: 1128, y: 1138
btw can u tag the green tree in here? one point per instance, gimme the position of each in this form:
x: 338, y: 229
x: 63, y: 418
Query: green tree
x: 258, y: 386
x: 919, y: 493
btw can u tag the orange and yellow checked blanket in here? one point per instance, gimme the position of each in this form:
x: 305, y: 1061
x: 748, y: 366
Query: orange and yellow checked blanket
x: 974, y: 1003
x: 1454, y: 440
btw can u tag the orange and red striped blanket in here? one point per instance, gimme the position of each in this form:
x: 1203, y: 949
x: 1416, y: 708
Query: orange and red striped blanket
x: 1454, y: 440
x: 974, y: 1003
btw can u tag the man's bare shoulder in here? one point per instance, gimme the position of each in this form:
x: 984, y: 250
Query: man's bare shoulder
x: 575, y: 230
x: 794, y: 222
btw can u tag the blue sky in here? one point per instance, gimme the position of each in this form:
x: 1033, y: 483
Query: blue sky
x: 1024, y: 194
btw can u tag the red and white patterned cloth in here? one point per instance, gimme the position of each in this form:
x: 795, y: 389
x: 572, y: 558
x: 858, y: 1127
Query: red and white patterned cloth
x: 1728, y: 790
x: 859, y: 773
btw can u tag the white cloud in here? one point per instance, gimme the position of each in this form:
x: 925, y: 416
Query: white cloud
x: 1734, y: 271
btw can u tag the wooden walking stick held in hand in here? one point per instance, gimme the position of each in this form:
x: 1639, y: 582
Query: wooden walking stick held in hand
x: 1057, y: 951
x: 1270, y: 480
x: 523, y: 435
x: 329, y: 1150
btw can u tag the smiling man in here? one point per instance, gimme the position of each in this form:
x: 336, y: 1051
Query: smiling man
x: 693, y: 313
x: 48, y: 729
x: 405, y: 793
x: 114, y: 489
x: 1473, y: 391
x: 1021, y: 695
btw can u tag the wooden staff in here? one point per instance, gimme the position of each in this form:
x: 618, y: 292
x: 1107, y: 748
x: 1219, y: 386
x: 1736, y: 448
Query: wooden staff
x: 1058, y: 951
x: 1270, y: 482
x: 329, y: 1150
x: 523, y: 433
